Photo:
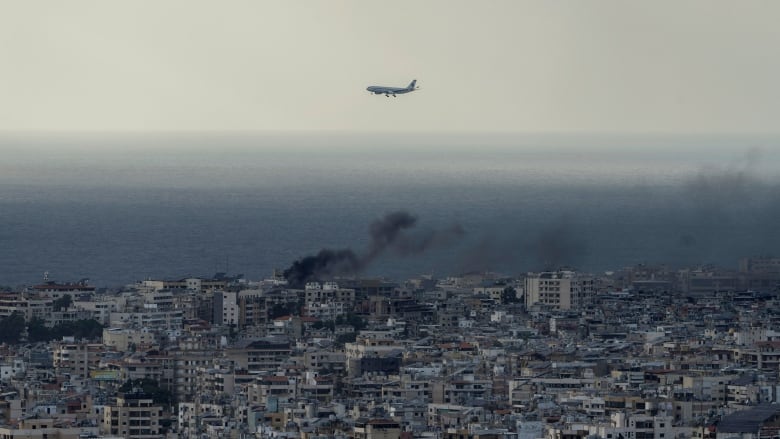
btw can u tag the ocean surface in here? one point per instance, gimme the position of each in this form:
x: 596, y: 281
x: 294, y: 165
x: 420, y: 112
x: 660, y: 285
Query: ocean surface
x: 118, y: 208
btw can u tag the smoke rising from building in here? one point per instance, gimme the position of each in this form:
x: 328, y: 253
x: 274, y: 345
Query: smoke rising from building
x: 384, y: 232
x: 388, y: 234
x: 326, y: 263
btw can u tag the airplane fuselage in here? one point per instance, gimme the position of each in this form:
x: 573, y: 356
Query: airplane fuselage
x: 377, y: 89
x: 387, y: 91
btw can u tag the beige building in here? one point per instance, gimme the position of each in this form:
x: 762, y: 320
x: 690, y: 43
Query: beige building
x: 560, y: 290
x: 29, y: 307
x: 77, y: 358
x: 253, y: 310
x: 186, y: 364
x: 135, y: 415
x: 191, y: 284
x: 122, y: 339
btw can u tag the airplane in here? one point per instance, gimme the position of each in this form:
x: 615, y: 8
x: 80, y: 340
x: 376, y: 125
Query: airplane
x: 387, y: 91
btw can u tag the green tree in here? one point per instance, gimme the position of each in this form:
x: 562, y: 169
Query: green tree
x: 62, y: 303
x: 86, y: 329
x: 330, y: 324
x: 283, y: 309
x: 346, y: 338
x: 509, y: 295
x: 89, y: 329
x: 353, y: 320
x: 37, y: 331
x: 11, y: 328
x: 149, y: 387
x: 356, y: 321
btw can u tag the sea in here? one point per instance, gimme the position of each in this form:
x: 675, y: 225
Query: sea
x: 117, y: 208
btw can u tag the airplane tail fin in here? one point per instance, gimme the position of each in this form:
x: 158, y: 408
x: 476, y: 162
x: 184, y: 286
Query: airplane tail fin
x: 412, y: 84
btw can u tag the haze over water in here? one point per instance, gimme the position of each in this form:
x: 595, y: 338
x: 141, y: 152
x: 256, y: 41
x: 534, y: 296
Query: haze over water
x: 121, y: 208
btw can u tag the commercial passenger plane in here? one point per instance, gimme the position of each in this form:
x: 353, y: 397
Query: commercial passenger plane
x: 387, y: 91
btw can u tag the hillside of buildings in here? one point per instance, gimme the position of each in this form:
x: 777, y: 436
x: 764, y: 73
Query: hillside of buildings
x: 644, y: 352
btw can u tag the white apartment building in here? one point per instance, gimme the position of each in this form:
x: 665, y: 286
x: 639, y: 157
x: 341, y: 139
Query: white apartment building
x: 226, y: 309
x: 28, y: 307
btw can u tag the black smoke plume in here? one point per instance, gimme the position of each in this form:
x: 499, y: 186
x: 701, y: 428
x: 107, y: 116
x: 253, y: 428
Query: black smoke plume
x: 416, y: 243
x: 326, y: 263
x: 387, y: 234
x: 384, y: 232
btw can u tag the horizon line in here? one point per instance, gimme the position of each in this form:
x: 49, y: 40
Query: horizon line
x: 248, y: 132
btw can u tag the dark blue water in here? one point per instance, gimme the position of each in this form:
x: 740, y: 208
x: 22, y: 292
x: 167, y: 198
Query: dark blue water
x: 117, y: 209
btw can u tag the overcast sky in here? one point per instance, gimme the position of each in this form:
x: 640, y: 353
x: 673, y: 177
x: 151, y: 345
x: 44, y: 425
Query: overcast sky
x: 529, y: 66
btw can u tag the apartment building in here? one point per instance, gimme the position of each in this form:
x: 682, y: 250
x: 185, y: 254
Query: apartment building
x: 560, y: 290
x: 77, y: 358
x: 134, y: 416
x: 258, y: 355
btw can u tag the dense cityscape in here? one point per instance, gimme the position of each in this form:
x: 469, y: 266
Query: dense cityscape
x: 510, y: 219
x: 644, y: 352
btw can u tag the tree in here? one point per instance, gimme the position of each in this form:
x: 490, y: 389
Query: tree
x: 37, y: 331
x: 62, y: 303
x: 283, y: 309
x: 88, y: 329
x: 330, y: 324
x: 11, y: 328
x: 346, y: 338
x: 149, y: 387
x: 356, y: 321
x: 509, y: 295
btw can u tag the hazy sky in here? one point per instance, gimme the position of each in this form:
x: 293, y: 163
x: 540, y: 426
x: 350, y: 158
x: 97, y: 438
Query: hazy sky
x: 539, y: 66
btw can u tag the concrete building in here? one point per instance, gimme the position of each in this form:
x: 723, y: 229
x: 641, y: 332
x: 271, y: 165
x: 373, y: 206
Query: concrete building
x: 756, y: 422
x: 47, y: 429
x: 226, y: 310
x: 377, y: 429
x: 259, y: 355
x: 77, y: 358
x: 135, y: 416
x: 559, y: 290
x: 29, y: 307
x: 122, y: 339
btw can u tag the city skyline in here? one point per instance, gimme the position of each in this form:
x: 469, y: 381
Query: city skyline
x: 210, y: 228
